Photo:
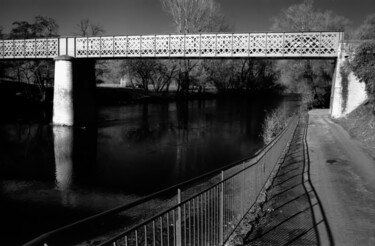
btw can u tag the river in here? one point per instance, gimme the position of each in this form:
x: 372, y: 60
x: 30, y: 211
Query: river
x: 52, y: 176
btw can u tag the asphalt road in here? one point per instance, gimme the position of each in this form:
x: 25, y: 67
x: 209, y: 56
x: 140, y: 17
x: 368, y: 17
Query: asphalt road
x: 344, y: 178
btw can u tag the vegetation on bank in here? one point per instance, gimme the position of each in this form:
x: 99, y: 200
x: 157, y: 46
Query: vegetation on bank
x: 360, y: 124
x: 274, y: 122
x: 363, y: 66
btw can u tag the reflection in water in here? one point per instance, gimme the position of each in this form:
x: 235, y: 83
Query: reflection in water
x: 63, y: 146
x: 61, y: 174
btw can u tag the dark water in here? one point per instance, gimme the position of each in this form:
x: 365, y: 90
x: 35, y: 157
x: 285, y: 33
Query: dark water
x: 51, y: 176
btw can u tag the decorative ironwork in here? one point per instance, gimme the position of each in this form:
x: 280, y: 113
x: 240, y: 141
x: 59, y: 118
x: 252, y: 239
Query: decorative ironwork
x: 162, y: 45
x: 224, y: 45
x: 308, y: 44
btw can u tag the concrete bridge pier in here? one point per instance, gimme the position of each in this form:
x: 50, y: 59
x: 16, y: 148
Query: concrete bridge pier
x: 74, y: 92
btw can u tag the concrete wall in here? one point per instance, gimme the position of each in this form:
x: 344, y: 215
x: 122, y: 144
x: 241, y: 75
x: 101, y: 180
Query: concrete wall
x: 347, y: 91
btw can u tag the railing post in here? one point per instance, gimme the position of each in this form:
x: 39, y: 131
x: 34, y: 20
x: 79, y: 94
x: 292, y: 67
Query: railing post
x: 221, y: 211
x: 178, y: 220
x: 243, y: 190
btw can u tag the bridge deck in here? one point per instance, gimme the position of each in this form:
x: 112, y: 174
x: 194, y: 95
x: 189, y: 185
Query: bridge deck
x: 272, y: 45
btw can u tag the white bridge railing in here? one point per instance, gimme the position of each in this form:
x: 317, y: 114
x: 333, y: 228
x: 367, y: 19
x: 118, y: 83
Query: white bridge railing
x: 306, y: 44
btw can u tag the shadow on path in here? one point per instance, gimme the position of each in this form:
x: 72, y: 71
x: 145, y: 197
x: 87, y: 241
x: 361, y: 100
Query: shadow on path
x: 292, y: 214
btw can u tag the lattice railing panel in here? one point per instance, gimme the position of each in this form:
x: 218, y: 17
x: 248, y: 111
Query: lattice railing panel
x: 81, y: 47
x: 30, y: 48
x: 224, y: 45
x: 106, y: 47
x: 328, y: 42
x: 120, y: 46
x: 1, y: 48
x: 162, y: 45
x: 177, y: 45
x: 93, y: 47
x: 8, y: 48
x: 208, y: 45
x: 41, y: 48
x: 307, y: 44
x: 19, y: 48
x: 53, y: 47
x: 275, y: 44
x: 311, y: 44
x: 192, y: 45
x: 134, y: 45
x: 292, y: 44
x: 258, y: 45
x: 241, y: 44
x: 148, y: 45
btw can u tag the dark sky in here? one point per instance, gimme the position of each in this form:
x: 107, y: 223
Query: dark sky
x: 146, y: 16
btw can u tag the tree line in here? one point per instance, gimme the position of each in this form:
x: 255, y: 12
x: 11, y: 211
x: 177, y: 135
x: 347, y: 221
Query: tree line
x: 311, y: 78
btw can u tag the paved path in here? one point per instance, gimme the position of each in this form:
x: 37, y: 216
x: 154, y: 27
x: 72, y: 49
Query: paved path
x: 323, y: 193
x: 289, y: 212
x: 344, y: 178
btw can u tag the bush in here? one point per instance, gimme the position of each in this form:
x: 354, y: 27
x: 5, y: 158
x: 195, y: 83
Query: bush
x: 274, y: 123
x: 363, y: 66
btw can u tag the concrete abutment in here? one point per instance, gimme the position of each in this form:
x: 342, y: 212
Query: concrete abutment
x: 347, y: 91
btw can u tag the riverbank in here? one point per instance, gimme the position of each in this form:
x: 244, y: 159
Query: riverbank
x: 21, y: 96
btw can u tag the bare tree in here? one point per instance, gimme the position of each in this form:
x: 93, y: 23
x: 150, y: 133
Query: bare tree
x: 87, y: 28
x: 310, y: 77
x: 305, y: 17
x: 37, y: 73
x: 367, y: 29
x: 45, y: 26
x: 195, y: 16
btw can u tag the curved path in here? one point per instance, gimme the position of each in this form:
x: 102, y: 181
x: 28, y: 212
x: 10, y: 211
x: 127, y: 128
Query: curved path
x: 292, y: 213
x: 344, y: 178
x: 323, y: 192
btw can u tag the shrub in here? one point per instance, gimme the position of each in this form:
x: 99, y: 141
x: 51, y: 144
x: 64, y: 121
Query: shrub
x: 363, y: 66
x: 274, y: 123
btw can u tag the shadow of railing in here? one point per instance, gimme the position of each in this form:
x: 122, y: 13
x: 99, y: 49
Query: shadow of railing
x: 292, y: 214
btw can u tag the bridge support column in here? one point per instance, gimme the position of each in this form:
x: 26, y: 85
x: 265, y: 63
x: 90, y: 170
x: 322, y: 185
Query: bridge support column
x: 74, y: 92
x: 347, y: 91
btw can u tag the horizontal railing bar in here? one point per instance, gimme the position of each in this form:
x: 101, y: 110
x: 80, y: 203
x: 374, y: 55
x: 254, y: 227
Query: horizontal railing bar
x: 174, y: 34
x: 177, y: 34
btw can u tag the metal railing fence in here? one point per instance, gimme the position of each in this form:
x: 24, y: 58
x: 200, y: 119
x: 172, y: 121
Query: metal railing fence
x: 206, y: 210
x: 210, y: 216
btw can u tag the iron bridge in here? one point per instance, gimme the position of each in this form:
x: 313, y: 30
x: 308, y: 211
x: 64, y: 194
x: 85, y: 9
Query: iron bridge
x: 294, y: 45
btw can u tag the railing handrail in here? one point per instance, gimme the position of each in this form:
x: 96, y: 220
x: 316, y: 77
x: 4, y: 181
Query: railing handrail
x: 258, y: 155
x: 167, y: 34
